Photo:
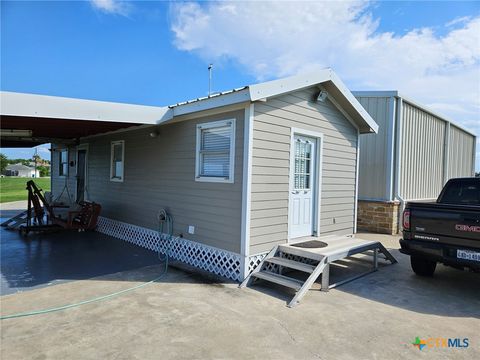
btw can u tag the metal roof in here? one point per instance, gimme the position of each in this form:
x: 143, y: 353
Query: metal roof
x: 397, y: 94
x: 257, y: 92
x: 220, y: 93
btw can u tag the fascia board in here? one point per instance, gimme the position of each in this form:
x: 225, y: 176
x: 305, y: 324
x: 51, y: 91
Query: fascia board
x: 211, y: 103
x: 356, y: 105
x: 283, y: 86
x: 43, y: 106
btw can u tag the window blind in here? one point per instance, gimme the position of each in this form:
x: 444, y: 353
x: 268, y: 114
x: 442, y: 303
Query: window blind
x: 215, y: 151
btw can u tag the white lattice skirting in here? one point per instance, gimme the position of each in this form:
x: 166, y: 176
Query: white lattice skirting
x: 217, y: 261
x: 254, y: 261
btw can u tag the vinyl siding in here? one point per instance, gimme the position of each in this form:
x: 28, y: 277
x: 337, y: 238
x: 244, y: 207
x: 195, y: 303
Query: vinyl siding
x: 273, y: 121
x: 160, y: 173
x: 460, y: 150
x: 422, y: 154
x: 374, y: 150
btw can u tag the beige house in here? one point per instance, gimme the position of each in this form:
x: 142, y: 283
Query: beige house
x: 238, y: 171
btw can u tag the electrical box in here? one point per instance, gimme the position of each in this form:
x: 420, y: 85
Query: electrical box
x: 191, y: 229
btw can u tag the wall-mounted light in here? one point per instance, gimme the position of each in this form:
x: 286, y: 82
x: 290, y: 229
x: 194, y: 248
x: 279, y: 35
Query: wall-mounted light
x: 154, y: 133
x: 322, y: 96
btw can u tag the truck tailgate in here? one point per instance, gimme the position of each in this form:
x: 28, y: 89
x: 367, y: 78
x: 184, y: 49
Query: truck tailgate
x: 437, y: 222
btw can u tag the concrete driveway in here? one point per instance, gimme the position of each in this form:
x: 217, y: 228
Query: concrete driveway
x: 185, y: 315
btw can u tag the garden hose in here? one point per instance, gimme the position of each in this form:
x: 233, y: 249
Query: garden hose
x: 165, y: 222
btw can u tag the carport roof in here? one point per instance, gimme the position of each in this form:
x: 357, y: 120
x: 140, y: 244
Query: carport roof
x: 51, y: 118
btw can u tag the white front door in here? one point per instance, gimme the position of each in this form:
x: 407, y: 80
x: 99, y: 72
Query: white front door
x: 302, y: 186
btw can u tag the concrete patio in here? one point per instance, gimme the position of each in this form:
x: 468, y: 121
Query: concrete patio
x: 187, y: 315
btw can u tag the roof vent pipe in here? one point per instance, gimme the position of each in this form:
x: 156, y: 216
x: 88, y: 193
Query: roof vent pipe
x: 210, y: 68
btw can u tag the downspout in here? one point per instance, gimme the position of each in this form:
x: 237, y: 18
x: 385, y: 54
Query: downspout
x: 398, y: 157
x: 446, y: 153
x: 474, y: 155
x: 391, y: 132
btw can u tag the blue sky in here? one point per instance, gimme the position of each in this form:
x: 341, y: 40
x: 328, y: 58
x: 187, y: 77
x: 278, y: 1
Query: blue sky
x: 157, y: 53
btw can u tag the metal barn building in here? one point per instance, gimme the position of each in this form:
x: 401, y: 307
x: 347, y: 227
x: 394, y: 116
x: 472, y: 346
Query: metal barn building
x: 414, y: 153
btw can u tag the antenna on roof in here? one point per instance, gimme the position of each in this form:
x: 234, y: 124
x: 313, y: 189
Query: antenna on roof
x: 210, y: 67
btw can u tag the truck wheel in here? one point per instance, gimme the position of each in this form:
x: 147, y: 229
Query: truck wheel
x: 422, y: 266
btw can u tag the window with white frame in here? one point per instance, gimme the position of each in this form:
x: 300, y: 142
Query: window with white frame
x: 215, y: 151
x: 63, y: 162
x: 117, y: 161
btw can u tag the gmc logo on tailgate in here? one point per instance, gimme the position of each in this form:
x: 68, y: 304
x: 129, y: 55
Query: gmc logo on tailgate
x: 460, y: 227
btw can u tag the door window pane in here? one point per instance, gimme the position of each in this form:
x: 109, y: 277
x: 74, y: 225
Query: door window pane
x: 303, y: 164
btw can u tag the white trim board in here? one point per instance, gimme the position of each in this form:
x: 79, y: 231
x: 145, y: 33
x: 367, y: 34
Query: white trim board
x: 247, y: 188
x: 357, y: 170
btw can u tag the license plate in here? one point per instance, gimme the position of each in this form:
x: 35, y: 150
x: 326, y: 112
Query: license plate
x: 468, y: 255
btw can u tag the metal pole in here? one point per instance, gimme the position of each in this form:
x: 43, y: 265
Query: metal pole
x: 210, y: 67
x: 35, y: 159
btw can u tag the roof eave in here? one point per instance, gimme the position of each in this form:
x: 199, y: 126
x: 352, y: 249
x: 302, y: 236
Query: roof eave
x: 53, y: 107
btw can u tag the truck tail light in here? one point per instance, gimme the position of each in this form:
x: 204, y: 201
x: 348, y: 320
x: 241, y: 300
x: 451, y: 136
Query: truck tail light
x: 406, y: 219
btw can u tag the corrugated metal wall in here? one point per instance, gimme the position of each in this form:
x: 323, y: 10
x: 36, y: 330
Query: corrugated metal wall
x: 460, y: 150
x: 422, y: 154
x: 374, y: 151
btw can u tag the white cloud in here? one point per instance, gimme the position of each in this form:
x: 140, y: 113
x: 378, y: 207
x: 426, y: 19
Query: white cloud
x: 112, y: 6
x: 274, y: 39
x: 43, y: 151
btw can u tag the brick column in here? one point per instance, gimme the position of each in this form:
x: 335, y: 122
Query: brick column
x: 378, y: 216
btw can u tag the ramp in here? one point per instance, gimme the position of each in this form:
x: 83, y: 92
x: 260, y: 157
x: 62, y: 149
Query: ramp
x: 16, y: 221
x: 314, y: 261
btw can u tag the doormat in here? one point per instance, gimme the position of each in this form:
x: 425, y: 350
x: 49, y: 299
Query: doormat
x: 311, y: 244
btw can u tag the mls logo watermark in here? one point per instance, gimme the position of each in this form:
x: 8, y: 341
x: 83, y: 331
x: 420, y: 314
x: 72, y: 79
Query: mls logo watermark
x: 440, y: 342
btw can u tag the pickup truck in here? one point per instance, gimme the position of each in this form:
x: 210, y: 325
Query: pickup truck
x: 446, y: 231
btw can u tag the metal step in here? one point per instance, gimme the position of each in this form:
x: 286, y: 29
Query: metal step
x: 297, y: 251
x: 291, y: 264
x: 279, y: 279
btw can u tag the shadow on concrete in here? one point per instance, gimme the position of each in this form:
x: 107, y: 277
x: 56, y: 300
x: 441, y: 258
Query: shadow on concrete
x: 451, y: 292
